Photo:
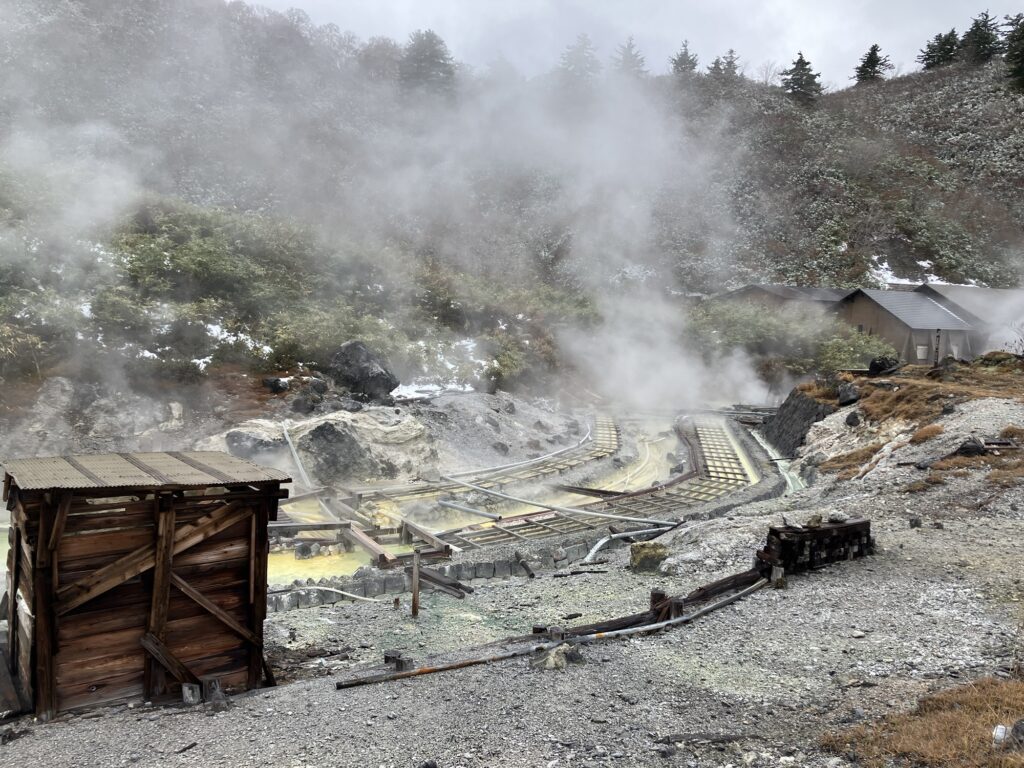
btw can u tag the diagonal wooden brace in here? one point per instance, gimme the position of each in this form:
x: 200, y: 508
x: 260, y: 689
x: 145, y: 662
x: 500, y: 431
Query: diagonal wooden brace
x: 142, y: 559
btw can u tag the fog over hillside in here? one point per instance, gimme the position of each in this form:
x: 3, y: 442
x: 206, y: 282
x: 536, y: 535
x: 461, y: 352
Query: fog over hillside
x: 196, y: 180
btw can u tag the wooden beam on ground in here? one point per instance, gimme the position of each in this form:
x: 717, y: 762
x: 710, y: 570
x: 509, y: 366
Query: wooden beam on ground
x: 509, y: 531
x: 361, y: 539
x: 211, y: 607
x: 433, y: 539
x: 142, y: 559
x: 170, y: 662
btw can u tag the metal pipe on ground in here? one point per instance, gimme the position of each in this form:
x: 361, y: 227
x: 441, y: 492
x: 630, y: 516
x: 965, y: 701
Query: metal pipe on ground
x: 624, y: 535
x: 468, y: 510
x: 390, y: 676
x: 556, y: 508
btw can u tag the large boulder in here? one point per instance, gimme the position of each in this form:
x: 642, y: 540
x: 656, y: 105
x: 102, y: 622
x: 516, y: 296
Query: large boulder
x: 881, y: 364
x: 334, y: 453
x: 362, y: 372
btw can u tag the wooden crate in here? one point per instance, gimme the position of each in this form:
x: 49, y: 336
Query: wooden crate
x: 130, y: 574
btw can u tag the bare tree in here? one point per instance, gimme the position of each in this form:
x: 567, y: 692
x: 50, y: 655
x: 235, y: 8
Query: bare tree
x: 769, y: 73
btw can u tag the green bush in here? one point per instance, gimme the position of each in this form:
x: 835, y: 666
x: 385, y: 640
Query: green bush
x: 850, y: 349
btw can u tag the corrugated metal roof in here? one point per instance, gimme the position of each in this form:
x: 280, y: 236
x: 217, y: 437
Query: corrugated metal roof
x: 134, y: 470
x: 796, y: 292
x: 917, y: 310
x: 993, y: 305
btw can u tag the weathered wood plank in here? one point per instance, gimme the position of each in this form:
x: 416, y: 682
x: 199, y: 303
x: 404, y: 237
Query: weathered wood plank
x: 63, y: 506
x: 260, y: 551
x: 153, y: 679
x: 44, y: 634
x: 212, y: 608
x: 169, y: 661
x: 134, y: 563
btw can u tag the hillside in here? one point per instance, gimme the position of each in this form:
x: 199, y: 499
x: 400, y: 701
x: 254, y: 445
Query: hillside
x: 187, y: 187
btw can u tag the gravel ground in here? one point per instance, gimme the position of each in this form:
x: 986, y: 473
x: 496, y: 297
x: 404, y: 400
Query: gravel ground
x: 756, y: 683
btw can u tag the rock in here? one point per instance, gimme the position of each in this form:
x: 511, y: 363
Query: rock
x: 881, y: 364
x: 362, y: 372
x: 317, y: 385
x: 336, y: 453
x: 915, y: 522
x: 305, y: 403
x: 542, y: 426
x: 853, y: 419
x: 970, y: 447
x: 1016, y: 738
x: 948, y: 409
x: 500, y: 447
x: 492, y: 422
x: 848, y: 394
x: 303, y: 552
x: 787, y: 429
x: 558, y: 657
x: 646, y: 555
x: 835, y: 516
x: 276, y: 385
x: 248, y: 443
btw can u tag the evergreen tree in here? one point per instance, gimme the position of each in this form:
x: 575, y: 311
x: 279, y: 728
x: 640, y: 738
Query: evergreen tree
x: 684, y: 63
x: 981, y: 42
x: 801, y: 82
x: 731, y: 64
x: 426, y: 63
x: 873, y: 66
x: 579, y: 60
x: 940, y: 50
x: 628, y: 60
x: 715, y: 68
x: 1015, y: 50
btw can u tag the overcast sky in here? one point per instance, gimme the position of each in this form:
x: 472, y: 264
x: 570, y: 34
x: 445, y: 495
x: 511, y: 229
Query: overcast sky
x: 531, y: 34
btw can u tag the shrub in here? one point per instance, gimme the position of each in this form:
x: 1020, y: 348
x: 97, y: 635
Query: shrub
x: 926, y: 433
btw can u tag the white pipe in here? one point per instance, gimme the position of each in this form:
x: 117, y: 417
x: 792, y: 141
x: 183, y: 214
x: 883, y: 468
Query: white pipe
x: 564, y: 510
x: 623, y: 535
x: 468, y: 510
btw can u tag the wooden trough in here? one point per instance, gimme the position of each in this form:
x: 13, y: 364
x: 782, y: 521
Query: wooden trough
x: 131, y: 574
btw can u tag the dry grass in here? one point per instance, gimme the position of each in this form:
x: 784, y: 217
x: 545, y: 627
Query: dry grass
x: 820, y: 391
x: 848, y: 465
x: 1007, y: 473
x: 926, y: 433
x: 952, y: 729
x: 919, y: 486
x: 1012, y: 432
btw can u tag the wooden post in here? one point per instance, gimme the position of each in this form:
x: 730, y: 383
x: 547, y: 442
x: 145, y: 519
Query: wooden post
x: 415, y: 583
x: 154, y: 679
x: 259, y: 554
x: 44, y: 630
x: 13, y: 569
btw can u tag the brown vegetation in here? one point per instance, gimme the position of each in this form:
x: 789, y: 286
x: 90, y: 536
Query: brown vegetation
x: 1012, y: 432
x: 848, y: 465
x: 952, y: 729
x: 926, y: 433
x: 918, y: 486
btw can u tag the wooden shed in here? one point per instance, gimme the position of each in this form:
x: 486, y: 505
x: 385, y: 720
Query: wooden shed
x: 130, y: 574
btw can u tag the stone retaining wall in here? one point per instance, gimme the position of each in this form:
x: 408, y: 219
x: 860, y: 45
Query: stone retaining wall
x: 374, y: 582
x: 787, y: 429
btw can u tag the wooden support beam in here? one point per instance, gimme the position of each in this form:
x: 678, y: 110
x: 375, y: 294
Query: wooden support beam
x: 212, y: 608
x: 361, y: 539
x: 509, y: 531
x: 424, y: 535
x: 45, y: 685
x: 259, y: 553
x: 153, y: 678
x: 142, y: 559
x: 169, y: 661
x: 63, y: 507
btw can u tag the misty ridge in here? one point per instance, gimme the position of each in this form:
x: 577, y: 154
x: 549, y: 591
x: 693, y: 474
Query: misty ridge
x: 193, y: 186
